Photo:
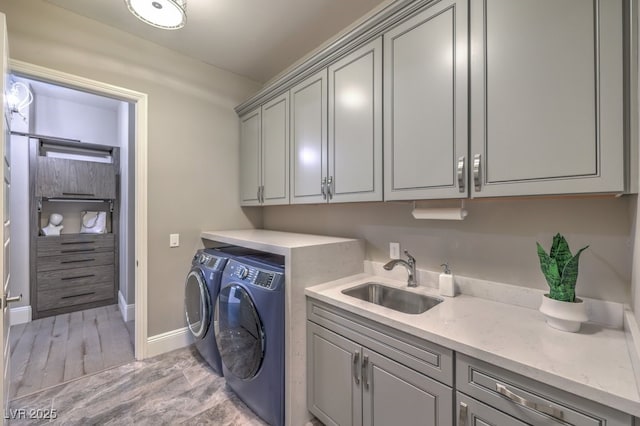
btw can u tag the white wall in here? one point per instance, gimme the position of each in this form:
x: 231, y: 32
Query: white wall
x: 73, y: 120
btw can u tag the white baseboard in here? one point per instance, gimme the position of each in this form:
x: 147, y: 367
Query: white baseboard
x: 128, y: 311
x: 20, y: 315
x: 166, y: 342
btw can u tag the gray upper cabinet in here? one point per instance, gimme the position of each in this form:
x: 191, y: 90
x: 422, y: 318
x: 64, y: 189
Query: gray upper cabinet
x: 339, y: 160
x: 355, y: 126
x: 547, y: 97
x: 250, y: 127
x: 65, y: 178
x: 275, y: 151
x: 264, y: 154
x: 425, y: 117
x: 309, y: 139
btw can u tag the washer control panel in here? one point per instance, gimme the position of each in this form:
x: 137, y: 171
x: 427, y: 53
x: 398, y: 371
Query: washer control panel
x: 252, y: 275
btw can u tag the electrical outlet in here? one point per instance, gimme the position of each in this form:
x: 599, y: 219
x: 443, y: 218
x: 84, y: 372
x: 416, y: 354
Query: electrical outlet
x: 394, y: 250
x: 174, y: 240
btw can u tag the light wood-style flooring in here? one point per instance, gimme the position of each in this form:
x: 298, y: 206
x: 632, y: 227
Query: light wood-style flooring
x: 176, y: 388
x: 53, y: 350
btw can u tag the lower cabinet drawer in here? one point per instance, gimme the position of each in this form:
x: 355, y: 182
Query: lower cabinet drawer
x: 61, y: 298
x: 470, y: 412
x: 529, y: 401
x: 70, y: 261
x: 67, y: 278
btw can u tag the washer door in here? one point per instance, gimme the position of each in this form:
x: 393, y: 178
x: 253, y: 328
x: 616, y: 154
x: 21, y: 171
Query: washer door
x: 239, y: 332
x: 197, y: 304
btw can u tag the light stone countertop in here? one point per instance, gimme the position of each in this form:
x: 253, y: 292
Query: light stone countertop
x: 594, y: 363
x: 270, y: 241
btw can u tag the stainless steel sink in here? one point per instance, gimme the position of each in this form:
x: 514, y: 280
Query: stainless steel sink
x: 392, y: 298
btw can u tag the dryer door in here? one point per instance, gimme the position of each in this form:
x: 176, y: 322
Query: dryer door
x: 239, y: 332
x: 197, y: 304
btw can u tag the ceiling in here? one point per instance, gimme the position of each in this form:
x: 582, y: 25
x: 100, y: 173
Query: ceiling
x: 254, y: 38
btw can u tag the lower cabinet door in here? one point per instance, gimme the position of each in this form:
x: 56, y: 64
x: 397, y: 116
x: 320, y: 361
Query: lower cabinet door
x: 473, y: 413
x: 394, y: 394
x: 333, y: 385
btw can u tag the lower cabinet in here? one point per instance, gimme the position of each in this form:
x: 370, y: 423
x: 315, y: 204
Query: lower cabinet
x: 351, y: 384
x: 362, y: 372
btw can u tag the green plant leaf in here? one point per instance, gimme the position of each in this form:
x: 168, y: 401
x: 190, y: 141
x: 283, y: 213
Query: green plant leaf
x: 569, y: 275
x: 549, y: 268
x: 560, y: 252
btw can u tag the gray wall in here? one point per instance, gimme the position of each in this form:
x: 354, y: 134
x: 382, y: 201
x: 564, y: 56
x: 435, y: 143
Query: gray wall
x: 193, y: 133
x: 495, y: 242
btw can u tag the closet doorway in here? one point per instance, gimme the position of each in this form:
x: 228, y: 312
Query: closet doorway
x: 78, y: 309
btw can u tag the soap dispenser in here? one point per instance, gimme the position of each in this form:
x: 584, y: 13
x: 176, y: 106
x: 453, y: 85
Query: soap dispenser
x: 447, y: 287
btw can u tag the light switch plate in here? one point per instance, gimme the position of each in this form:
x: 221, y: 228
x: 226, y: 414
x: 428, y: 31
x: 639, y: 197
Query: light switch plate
x: 394, y: 250
x: 174, y: 240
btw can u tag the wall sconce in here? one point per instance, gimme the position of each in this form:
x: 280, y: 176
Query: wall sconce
x: 18, y: 98
x: 165, y: 14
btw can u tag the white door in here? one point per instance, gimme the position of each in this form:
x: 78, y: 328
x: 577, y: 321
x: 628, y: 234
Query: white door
x: 275, y: 151
x: 4, y: 230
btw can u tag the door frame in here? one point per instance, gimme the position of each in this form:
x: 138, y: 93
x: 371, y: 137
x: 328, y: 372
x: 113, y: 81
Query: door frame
x: 140, y: 100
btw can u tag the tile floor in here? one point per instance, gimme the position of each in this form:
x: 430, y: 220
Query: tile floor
x: 171, y: 389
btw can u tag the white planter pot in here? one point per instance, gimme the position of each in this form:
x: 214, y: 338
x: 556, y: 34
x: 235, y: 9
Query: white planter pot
x: 565, y: 316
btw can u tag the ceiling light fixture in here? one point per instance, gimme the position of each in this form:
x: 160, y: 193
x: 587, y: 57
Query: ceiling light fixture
x: 165, y: 14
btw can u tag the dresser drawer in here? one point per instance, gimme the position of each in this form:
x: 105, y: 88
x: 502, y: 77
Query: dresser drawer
x: 74, y: 243
x: 70, y: 261
x: 510, y: 392
x: 75, y: 295
x: 66, y: 278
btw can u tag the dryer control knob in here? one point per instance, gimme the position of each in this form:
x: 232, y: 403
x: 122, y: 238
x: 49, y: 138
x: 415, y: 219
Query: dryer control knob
x: 242, y: 272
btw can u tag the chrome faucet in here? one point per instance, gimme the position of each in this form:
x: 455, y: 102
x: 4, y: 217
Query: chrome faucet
x: 410, y: 264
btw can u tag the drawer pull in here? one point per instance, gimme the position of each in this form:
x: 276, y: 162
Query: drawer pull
x: 546, y: 409
x: 78, y: 295
x: 66, y: 243
x: 77, y: 250
x: 464, y: 414
x: 355, y: 360
x: 83, y: 194
x: 77, y: 277
x: 78, y: 261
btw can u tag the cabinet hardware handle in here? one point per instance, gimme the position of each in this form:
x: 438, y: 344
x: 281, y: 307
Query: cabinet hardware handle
x: 330, y: 187
x: 461, y: 174
x: 8, y: 299
x: 79, y: 194
x: 66, y: 243
x: 355, y: 359
x: 262, y: 194
x: 365, y: 375
x: 464, y: 409
x: 77, y: 277
x: 546, y: 409
x: 77, y: 261
x: 323, y: 188
x: 77, y: 250
x: 477, y: 172
x: 258, y: 194
x: 78, y: 295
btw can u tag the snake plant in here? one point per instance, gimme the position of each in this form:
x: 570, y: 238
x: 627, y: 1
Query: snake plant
x: 560, y: 268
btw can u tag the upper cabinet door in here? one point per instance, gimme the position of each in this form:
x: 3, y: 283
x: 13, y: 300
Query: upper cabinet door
x: 65, y: 178
x: 547, y: 97
x: 309, y: 139
x: 250, y: 163
x: 275, y: 151
x: 425, y: 117
x: 355, y: 125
